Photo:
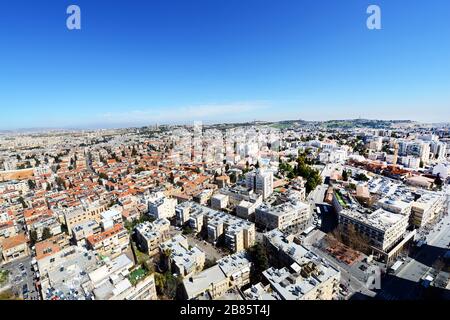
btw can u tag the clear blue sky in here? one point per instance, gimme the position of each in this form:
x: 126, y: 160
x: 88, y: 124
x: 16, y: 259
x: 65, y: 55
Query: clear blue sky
x: 144, y: 61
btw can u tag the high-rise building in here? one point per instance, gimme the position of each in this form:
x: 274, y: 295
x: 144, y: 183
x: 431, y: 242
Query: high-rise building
x: 261, y: 182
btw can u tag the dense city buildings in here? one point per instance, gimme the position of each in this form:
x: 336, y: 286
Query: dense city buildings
x: 255, y: 211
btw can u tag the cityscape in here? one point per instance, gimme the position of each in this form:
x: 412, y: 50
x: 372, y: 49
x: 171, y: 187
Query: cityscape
x: 291, y: 210
x: 232, y: 153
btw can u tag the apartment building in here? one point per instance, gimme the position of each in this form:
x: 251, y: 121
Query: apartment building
x: 236, y: 268
x: 240, y: 236
x: 42, y: 222
x: 261, y: 182
x: 82, y: 231
x: 78, y: 215
x: 310, y: 281
x: 298, y: 273
x: 149, y: 235
x: 110, y: 218
x: 242, y: 200
x: 14, y: 248
x: 261, y: 293
x: 237, y: 234
x: 219, y: 201
x: 163, y: 208
x: 289, y: 214
x: 111, y: 281
x: 111, y: 242
x: 213, y: 283
x: 425, y: 208
x: 7, y: 229
x: 62, y: 271
x: 385, y: 231
x: 181, y: 257
x: 382, y: 227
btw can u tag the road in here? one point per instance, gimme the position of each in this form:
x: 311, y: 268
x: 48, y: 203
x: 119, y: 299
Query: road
x: 89, y: 162
x: 351, y: 277
x: 405, y: 284
x: 439, y: 237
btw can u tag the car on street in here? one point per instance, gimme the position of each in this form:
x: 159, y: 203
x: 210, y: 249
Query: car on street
x: 25, y: 289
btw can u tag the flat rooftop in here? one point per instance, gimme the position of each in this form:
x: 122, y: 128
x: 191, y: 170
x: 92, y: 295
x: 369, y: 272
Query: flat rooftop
x: 380, y: 219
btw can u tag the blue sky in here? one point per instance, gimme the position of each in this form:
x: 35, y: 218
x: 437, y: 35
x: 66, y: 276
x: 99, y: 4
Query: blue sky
x: 138, y: 62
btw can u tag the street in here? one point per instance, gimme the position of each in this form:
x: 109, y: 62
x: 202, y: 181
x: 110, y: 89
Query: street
x: 405, y: 284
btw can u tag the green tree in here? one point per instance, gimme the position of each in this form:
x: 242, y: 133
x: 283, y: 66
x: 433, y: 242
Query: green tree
x: 139, y: 170
x: 438, y: 182
x: 103, y: 176
x: 187, y: 230
x: 22, y: 202
x: 167, y: 285
x: 260, y: 262
x: 361, y: 177
x: 345, y: 175
x: 31, y: 184
x: 33, y: 236
x: 46, y: 233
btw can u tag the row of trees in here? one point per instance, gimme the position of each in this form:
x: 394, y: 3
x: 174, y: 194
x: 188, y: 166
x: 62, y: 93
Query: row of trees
x: 46, y: 234
x: 352, y: 238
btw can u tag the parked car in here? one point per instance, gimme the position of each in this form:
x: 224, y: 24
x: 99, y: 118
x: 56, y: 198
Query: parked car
x: 25, y: 289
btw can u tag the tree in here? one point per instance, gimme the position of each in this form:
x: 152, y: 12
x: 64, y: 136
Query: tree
x: 139, y: 170
x: 260, y: 261
x: 33, y: 236
x: 438, y: 182
x: 361, y: 177
x: 61, y: 183
x: 354, y: 239
x: 31, y: 184
x: 345, y: 175
x: 103, y: 176
x: 167, y: 285
x: 209, y: 263
x: 46, y: 233
x: 187, y: 230
x: 22, y: 202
